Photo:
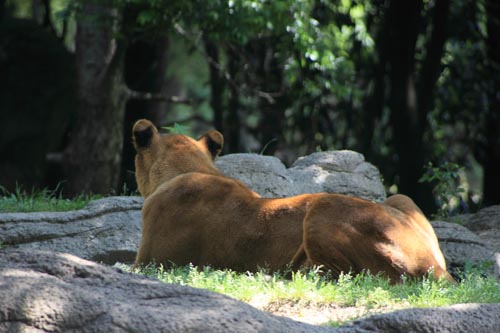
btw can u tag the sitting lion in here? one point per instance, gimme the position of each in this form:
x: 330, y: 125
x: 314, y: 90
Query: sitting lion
x: 194, y: 214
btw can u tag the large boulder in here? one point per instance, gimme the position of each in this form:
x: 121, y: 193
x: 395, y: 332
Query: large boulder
x: 265, y: 175
x: 107, y: 230
x: 460, y: 318
x: 461, y: 246
x: 46, y: 291
x: 486, y: 224
x: 344, y: 172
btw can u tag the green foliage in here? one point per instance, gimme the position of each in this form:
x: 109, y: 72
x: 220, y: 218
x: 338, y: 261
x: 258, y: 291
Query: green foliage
x: 177, y: 129
x: 331, y: 56
x: 315, y: 53
x: 312, y: 287
x: 447, y: 189
x: 326, y: 66
x: 40, y: 200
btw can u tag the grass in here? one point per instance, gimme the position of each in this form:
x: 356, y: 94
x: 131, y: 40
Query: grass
x: 43, y: 200
x: 311, y: 288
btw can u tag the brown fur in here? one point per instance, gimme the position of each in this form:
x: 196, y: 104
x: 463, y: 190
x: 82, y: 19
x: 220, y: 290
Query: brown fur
x: 194, y: 214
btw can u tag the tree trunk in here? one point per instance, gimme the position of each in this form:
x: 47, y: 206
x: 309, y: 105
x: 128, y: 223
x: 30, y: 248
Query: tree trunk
x: 404, y: 21
x: 93, y: 156
x: 491, y: 164
x: 232, y: 122
x: 374, y: 104
x: 216, y: 84
x: 270, y: 75
x: 411, y: 101
x: 431, y: 69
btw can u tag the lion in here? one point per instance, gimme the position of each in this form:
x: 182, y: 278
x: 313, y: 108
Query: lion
x: 193, y: 214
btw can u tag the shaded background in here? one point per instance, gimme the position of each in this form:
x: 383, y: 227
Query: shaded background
x: 403, y: 82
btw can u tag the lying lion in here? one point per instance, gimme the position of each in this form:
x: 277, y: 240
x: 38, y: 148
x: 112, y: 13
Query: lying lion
x: 194, y: 214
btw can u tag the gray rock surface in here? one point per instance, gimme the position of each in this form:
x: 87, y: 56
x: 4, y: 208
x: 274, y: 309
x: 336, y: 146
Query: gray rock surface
x: 343, y: 171
x: 461, y: 246
x: 265, y: 175
x: 486, y: 224
x: 460, y: 318
x: 46, y: 291
x: 107, y: 230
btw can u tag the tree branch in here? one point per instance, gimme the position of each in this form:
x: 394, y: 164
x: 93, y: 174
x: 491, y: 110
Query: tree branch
x: 268, y: 96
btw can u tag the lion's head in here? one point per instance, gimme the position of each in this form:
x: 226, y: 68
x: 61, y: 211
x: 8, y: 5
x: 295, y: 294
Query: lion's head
x: 161, y: 158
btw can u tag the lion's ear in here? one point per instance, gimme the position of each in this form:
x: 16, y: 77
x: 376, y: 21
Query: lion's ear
x: 214, y: 141
x: 143, y: 133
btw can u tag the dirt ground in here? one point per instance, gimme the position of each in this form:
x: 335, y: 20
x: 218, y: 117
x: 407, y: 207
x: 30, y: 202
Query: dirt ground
x: 320, y: 314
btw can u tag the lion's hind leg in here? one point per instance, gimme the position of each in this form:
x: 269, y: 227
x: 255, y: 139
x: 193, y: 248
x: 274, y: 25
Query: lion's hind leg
x: 406, y: 205
x: 340, y: 234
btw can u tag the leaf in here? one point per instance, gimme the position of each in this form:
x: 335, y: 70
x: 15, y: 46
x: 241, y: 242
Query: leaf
x: 177, y: 129
x: 145, y: 17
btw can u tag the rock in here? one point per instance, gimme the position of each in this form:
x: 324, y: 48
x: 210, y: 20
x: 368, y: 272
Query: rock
x: 461, y: 246
x: 44, y: 291
x: 486, y: 224
x: 343, y: 172
x: 460, y: 318
x: 107, y: 230
x: 265, y: 175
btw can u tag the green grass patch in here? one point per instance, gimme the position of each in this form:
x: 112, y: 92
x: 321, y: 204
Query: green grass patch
x: 44, y: 200
x: 364, y: 290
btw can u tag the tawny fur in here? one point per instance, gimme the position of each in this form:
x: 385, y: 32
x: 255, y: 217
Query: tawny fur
x: 194, y: 214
